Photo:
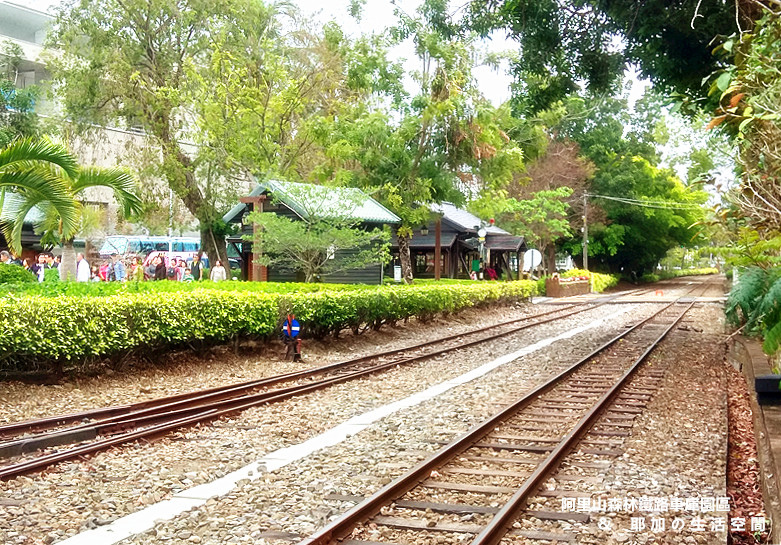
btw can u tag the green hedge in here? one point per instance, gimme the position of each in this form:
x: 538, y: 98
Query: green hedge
x: 69, y: 328
x: 14, y: 274
x: 666, y: 275
x: 42, y: 331
x: 104, y: 289
x: 599, y: 282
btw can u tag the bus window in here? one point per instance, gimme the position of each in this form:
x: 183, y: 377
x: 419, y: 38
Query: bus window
x: 190, y: 246
x: 114, y: 245
x: 134, y: 246
x: 161, y: 246
x: 147, y: 246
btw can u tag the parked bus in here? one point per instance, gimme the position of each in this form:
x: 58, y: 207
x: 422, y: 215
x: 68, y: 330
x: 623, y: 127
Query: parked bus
x: 136, y: 245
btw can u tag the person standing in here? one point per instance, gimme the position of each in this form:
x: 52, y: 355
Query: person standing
x: 39, y: 269
x: 138, y: 270
x: 82, y: 269
x: 160, y: 268
x: 118, y: 268
x: 217, y: 274
x: 195, y: 268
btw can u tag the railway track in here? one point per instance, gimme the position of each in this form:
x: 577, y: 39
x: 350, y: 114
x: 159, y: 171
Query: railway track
x: 103, y: 428
x: 477, y: 486
x: 100, y: 429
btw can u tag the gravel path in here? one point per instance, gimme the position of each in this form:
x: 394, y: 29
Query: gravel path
x: 122, y: 481
x: 677, y: 449
x: 73, y: 497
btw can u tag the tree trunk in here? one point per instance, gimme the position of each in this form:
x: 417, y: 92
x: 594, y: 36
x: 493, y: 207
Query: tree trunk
x: 213, y: 244
x: 180, y: 173
x: 406, y: 258
x: 551, y: 258
x: 68, y: 263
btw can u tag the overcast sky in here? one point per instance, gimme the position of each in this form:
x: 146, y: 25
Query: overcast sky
x: 377, y: 14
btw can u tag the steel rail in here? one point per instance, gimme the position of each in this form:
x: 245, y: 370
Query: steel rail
x: 343, y: 526
x: 196, y: 402
x: 214, y: 393
x: 502, y: 522
x: 189, y: 416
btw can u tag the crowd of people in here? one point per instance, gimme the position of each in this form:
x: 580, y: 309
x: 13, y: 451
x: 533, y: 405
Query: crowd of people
x: 159, y: 267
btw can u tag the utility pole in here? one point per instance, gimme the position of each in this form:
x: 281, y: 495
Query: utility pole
x: 585, y: 231
x: 170, y: 212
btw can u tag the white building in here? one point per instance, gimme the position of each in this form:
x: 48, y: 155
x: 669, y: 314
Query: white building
x: 106, y: 147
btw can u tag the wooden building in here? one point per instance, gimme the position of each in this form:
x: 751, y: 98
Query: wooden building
x: 460, y: 245
x: 298, y: 201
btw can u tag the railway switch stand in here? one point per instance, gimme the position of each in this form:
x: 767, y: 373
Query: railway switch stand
x: 292, y: 349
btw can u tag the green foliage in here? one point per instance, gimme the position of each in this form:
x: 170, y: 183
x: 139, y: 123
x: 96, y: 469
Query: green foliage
x: 560, y: 47
x: 599, y: 282
x: 13, y: 274
x: 68, y: 328
x: 327, y: 237
x: 413, y: 154
x: 541, y: 220
x: 74, y: 327
x: 17, y: 117
x: 35, y: 172
x: 650, y: 278
x: 540, y: 285
x: 750, y: 249
x: 51, y: 276
x: 43, y: 176
x: 564, y: 43
x: 104, y: 289
x: 755, y: 302
x: 128, y: 64
x: 748, y: 93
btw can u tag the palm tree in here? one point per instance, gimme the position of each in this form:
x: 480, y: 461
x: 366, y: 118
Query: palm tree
x: 43, y: 174
x: 35, y: 170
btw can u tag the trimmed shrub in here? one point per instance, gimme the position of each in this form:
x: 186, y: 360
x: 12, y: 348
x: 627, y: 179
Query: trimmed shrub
x: 74, y: 328
x: 599, y: 282
x: 103, y: 289
x: 14, y: 274
x: 666, y: 275
x: 46, y: 330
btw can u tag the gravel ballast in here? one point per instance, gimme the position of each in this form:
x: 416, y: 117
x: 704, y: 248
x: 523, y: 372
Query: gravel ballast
x: 292, y: 499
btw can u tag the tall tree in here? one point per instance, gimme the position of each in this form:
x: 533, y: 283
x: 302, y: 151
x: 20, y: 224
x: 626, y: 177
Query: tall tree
x: 564, y: 42
x: 125, y: 62
x: 31, y: 168
x: 443, y: 142
x: 264, y: 99
x: 749, y: 107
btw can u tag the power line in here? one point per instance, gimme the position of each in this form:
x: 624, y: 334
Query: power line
x: 663, y: 205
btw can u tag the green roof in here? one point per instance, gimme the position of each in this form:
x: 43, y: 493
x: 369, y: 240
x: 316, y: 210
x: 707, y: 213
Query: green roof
x: 320, y: 201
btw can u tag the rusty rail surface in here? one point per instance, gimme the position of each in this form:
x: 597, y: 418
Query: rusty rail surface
x: 156, y: 417
x: 340, y: 530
